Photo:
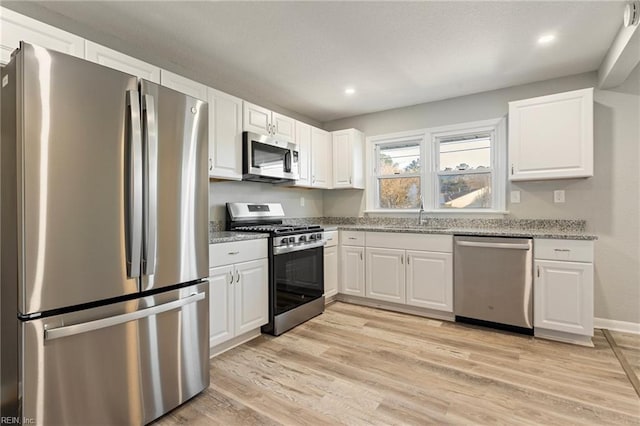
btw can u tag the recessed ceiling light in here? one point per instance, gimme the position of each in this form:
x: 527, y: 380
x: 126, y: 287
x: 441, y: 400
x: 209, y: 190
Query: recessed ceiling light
x: 349, y: 91
x: 546, y: 39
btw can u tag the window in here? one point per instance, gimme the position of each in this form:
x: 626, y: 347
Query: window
x: 398, y: 174
x: 456, y: 168
x: 464, y: 172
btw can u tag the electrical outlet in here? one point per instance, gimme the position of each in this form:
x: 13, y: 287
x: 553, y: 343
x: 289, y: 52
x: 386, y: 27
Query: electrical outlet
x: 558, y: 196
x: 301, y: 201
x: 515, y: 197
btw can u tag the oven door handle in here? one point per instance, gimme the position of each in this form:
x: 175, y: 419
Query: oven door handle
x: 289, y: 249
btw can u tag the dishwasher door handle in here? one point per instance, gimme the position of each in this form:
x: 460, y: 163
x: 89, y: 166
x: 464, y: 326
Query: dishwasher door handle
x: 494, y: 245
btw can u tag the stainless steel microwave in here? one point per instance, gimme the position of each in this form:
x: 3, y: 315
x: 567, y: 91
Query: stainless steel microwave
x: 269, y: 159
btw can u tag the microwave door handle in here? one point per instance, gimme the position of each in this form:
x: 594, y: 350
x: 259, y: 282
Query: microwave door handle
x: 287, y: 162
x: 150, y: 131
x: 133, y: 174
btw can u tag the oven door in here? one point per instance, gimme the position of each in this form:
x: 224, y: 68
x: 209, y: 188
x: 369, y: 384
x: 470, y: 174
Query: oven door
x: 298, y: 277
x: 269, y: 157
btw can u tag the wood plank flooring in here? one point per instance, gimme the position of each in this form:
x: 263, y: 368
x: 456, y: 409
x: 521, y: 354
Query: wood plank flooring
x: 356, y: 365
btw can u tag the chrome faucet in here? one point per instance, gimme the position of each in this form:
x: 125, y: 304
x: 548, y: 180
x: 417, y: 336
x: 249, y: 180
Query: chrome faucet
x: 421, y: 211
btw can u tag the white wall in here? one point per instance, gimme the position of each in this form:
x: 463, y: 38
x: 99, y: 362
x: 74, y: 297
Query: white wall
x: 610, y: 201
x: 227, y: 191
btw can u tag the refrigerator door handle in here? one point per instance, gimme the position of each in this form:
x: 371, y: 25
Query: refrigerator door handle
x: 71, y: 330
x: 150, y: 131
x: 134, y: 179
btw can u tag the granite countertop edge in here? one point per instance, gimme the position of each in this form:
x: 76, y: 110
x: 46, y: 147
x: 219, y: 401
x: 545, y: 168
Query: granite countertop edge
x: 217, y: 237
x: 491, y: 232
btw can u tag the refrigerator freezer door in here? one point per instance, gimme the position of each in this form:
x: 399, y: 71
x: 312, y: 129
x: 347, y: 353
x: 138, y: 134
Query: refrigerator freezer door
x: 125, y: 363
x: 73, y: 153
x: 177, y: 197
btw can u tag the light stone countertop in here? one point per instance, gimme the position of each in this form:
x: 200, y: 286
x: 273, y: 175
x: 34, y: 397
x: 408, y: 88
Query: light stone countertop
x: 216, y: 237
x: 489, y: 232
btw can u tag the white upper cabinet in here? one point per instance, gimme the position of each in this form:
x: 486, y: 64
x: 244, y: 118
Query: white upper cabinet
x: 225, y: 135
x: 551, y: 137
x: 121, y: 62
x: 15, y: 28
x: 348, y: 159
x: 183, y: 85
x: 261, y: 120
x: 303, y: 140
x: 283, y: 126
x: 321, y: 149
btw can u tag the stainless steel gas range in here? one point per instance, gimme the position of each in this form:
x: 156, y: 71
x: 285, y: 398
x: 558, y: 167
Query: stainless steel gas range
x: 296, y: 263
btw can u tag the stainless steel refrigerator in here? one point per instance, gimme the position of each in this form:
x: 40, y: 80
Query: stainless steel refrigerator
x: 104, y: 226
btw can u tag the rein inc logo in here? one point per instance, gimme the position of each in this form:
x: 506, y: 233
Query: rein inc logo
x: 17, y: 421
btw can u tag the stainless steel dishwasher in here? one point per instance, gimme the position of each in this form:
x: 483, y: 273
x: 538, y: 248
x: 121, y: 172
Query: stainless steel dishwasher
x: 493, y: 282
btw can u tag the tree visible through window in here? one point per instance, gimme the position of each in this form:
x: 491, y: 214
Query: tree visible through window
x: 398, y: 172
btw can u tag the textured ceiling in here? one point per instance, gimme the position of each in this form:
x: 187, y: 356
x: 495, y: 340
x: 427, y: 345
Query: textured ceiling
x: 301, y: 55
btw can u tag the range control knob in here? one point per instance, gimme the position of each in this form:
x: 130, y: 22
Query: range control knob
x: 292, y: 239
x: 284, y: 241
x: 318, y: 236
x: 312, y: 236
x: 303, y: 238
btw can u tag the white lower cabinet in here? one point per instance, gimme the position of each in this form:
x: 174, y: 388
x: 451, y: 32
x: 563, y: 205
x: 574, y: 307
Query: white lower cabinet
x: 402, y: 268
x: 385, y: 274
x: 563, y: 290
x: 352, y: 270
x: 331, y: 264
x: 239, y: 292
x: 430, y: 280
x: 563, y: 296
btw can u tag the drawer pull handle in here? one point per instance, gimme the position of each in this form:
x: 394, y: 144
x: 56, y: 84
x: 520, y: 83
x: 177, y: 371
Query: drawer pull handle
x: 233, y: 252
x: 562, y: 250
x: 352, y: 238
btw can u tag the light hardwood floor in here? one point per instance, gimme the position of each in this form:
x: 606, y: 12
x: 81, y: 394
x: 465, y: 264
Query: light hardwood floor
x: 356, y: 365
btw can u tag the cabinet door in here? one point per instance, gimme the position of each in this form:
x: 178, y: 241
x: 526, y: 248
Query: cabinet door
x: 303, y: 139
x: 256, y: 119
x: 352, y: 270
x: 220, y: 305
x: 251, y: 290
x: 551, y: 137
x: 225, y: 135
x: 283, y: 126
x: 183, y: 85
x: 385, y: 275
x: 321, y: 148
x: 330, y: 271
x: 342, y: 159
x: 430, y: 280
x: 15, y: 27
x: 563, y: 296
x: 121, y: 62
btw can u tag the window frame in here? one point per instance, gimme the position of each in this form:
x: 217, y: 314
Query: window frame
x: 397, y: 142
x: 429, y: 158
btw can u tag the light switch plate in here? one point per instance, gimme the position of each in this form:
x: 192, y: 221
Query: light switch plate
x: 515, y: 197
x: 301, y: 201
x: 558, y: 196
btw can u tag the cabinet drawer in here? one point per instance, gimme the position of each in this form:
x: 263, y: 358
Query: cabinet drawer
x: 352, y: 238
x: 405, y: 241
x: 331, y: 237
x: 569, y: 250
x: 236, y: 252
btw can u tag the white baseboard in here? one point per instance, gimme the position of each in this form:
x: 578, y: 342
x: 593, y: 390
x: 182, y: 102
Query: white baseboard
x: 623, y: 326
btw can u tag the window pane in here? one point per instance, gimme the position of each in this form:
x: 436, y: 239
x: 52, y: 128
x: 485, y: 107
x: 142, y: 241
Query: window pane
x: 395, y: 160
x: 471, y: 191
x: 468, y: 154
x: 399, y: 193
